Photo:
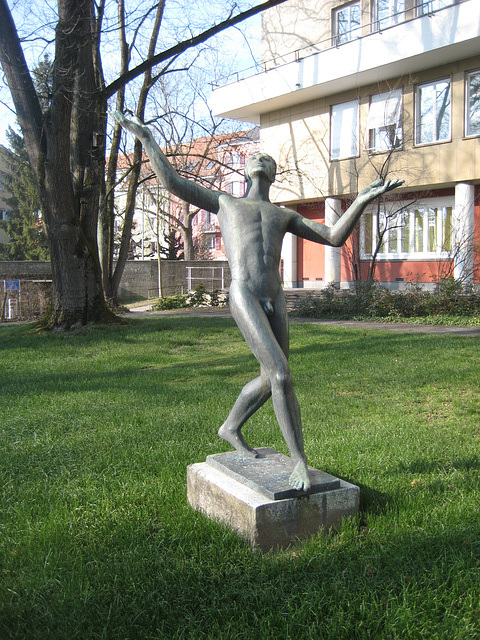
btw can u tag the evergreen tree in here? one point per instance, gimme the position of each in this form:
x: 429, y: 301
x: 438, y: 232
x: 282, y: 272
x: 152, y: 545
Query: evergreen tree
x: 43, y: 81
x: 173, y: 248
x: 28, y: 240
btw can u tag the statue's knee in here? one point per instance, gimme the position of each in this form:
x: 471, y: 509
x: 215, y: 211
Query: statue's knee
x: 282, y: 380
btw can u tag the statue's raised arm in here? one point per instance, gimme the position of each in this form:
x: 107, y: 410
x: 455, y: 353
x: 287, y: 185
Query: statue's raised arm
x: 338, y: 234
x: 184, y: 189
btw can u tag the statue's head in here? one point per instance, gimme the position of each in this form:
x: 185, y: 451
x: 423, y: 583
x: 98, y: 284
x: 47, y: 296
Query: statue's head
x: 260, y: 162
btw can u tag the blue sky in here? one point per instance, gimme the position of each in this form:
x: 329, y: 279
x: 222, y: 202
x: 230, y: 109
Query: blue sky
x: 232, y: 45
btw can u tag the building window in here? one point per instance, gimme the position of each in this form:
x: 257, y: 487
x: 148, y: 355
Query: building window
x: 432, y: 108
x: 429, y: 6
x: 236, y: 188
x: 388, y: 13
x: 417, y: 231
x: 344, y: 130
x: 346, y: 23
x: 472, y: 125
x: 211, y: 245
x: 384, y: 125
x: 236, y: 160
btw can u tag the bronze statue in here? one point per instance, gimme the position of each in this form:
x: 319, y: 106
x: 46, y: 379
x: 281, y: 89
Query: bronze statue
x: 253, y: 229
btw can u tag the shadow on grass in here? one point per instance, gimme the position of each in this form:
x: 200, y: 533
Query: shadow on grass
x: 325, y: 345
x: 146, y: 382
x: 373, y: 501
x: 434, y: 466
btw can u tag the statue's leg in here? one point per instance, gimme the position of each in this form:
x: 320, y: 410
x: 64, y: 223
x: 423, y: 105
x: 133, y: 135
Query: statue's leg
x: 285, y: 404
x: 267, y: 337
x: 251, y: 398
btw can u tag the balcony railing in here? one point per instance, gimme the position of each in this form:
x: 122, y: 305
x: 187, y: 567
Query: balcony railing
x: 421, y: 8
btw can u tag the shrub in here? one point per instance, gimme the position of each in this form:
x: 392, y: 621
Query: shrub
x: 199, y: 298
x: 170, y: 302
x: 369, y: 300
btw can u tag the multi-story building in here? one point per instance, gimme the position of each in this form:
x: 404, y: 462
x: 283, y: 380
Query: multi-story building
x: 350, y: 91
x: 215, y: 162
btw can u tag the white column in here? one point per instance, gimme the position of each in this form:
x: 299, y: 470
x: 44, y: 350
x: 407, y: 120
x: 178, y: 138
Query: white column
x: 289, y: 257
x: 462, y: 241
x: 333, y: 210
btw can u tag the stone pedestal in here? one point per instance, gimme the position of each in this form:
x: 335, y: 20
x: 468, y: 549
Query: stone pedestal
x: 252, y: 496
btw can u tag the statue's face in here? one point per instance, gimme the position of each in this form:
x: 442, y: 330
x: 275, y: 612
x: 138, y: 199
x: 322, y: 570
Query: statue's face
x: 260, y: 163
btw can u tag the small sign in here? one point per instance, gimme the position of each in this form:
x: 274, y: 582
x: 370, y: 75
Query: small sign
x: 12, y: 285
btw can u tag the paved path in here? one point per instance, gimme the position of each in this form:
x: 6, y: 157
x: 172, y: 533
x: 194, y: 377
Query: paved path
x: 472, y: 332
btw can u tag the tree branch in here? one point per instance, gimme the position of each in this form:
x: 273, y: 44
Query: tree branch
x: 181, y: 47
x: 20, y: 83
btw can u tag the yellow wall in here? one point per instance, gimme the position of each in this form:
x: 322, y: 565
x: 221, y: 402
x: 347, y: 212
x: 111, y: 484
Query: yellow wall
x: 306, y: 26
x: 301, y: 25
x: 298, y: 138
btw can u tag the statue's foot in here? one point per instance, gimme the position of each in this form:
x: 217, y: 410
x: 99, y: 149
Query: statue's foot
x: 299, y: 478
x: 236, y: 439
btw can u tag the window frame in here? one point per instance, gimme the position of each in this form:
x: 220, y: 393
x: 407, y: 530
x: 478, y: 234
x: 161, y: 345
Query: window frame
x: 443, y: 208
x: 371, y: 136
x: 428, y: 7
x: 352, y: 33
x: 394, y: 17
x: 467, y: 104
x: 354, y: 151
x: 417, y: 109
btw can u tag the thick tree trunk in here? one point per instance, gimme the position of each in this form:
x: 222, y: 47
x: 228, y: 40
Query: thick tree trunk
x: 77, y: 292
x: 71, y: 222
x: 68, y: 165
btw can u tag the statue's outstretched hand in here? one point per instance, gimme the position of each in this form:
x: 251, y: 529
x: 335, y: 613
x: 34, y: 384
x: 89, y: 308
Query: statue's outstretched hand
x: 377, y: 188
x: 134, y: 125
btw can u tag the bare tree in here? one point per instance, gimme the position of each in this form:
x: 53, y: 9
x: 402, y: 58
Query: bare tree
x: 383, y: 141
x: 66, y: 145
x: 462, y: 251
x: 198, y: 148
x: 202, y: 148
x: 112, y: 272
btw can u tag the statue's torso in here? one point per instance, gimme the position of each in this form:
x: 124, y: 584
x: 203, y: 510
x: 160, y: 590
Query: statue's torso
x: 253, y: 232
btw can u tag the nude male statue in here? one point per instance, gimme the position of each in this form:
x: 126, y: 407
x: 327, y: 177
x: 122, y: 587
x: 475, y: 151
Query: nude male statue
x: 253, y: 229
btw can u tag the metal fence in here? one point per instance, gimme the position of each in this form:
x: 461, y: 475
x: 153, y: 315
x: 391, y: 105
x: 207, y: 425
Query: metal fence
x: 212, y: 278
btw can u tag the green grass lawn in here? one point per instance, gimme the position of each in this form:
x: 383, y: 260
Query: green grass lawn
x: 97, y: 539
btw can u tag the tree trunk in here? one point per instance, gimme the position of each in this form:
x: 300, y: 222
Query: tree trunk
x: 77, y: 294
x: 114, y: 281
x: 187, y: 233
x: 112, y: 276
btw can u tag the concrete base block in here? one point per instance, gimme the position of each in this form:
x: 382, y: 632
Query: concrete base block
x: 264, y: 522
